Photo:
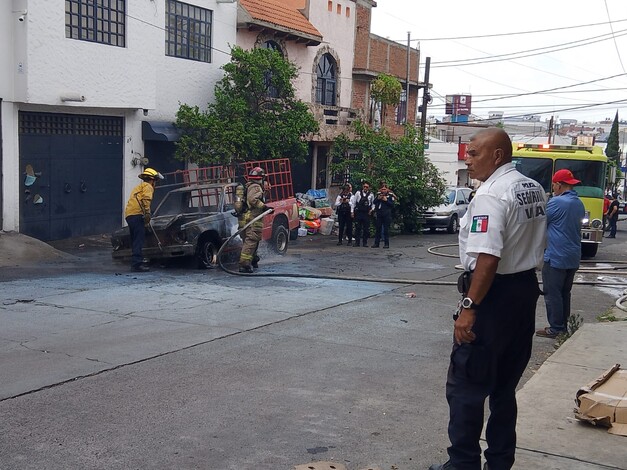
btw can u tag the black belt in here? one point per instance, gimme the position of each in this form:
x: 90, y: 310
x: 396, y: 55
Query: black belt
x: 516, y: 275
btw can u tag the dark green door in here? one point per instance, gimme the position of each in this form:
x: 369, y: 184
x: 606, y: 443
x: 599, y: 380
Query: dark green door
x: 71, y: 174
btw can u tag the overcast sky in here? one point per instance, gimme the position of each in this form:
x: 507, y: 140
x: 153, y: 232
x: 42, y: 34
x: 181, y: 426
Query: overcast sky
x: 591, y: 49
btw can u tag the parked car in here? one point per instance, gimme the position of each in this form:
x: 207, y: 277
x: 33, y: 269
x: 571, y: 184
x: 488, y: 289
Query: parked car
x: 192, y: 221
x: 448, y: 214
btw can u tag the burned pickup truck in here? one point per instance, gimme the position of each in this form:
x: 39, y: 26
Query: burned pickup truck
x: 192, y: 221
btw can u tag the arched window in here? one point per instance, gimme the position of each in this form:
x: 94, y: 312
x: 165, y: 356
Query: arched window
x: 272, y: 90
x: 326, y: 85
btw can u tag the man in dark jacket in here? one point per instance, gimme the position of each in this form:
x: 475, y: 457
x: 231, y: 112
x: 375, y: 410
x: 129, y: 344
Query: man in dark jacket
x: 383, y: 205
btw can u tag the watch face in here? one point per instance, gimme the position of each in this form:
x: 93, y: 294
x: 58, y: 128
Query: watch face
x: 467, y: 302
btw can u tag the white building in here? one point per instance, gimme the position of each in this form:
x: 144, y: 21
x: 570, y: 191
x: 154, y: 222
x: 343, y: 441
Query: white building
x: 447, y: 159
x: 87, y: 94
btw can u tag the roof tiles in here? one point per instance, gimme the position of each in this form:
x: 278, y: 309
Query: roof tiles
x: 281, y: 13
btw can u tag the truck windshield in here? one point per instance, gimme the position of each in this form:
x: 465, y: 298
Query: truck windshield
x: 538, y: 169
x: 197, y: 201
x: 590, y: 173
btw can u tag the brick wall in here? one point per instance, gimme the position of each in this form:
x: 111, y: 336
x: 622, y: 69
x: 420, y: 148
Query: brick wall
x: 362, y: 36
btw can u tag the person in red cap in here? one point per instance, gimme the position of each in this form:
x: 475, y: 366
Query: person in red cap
x: 562, y: 255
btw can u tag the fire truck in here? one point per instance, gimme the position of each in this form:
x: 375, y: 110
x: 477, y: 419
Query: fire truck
x: 587, y: 163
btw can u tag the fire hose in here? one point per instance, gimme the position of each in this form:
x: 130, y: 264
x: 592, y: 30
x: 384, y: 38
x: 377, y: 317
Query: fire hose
x: 371, y: 279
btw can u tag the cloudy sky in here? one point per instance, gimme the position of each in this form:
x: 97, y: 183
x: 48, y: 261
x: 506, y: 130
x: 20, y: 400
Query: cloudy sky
x: 546, y: 57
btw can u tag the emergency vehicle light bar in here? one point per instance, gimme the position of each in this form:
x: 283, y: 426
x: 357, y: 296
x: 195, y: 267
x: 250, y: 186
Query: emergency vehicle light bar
x: 554, y: 147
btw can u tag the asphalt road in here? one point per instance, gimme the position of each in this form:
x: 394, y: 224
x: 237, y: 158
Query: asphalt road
x: 179, y: 368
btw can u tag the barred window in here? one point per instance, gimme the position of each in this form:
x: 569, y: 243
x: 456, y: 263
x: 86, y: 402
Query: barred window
x: 326, y: 80
x: 102, y: 21
x: 401, y: 109
x: 188, y: 31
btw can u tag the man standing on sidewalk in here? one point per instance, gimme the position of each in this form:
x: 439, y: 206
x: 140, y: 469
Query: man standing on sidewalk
x: 564, y: 213
x: 501, y: 242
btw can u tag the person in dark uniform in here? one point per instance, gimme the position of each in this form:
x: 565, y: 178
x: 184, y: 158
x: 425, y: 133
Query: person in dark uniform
x: 383, y: 205
x: 344, y: 209
x: 501, y: 243
x: 362, y: 208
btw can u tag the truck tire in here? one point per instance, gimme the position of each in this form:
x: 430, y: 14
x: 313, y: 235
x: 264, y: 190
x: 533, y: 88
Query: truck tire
x: 207, y: 251
x: 589, y: 250
x: 280, y: 238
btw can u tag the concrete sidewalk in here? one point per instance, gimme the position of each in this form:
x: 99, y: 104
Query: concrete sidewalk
x: 549, y: 436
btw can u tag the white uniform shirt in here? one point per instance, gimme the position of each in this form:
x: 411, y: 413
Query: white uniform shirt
x: 506, y: 219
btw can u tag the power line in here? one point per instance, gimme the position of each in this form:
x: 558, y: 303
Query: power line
x: 516, y: 33
x: 614, y: 36
x: 532, y: 52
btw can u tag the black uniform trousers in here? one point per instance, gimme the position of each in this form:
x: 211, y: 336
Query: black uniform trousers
x: 137, y: 231
x: 345, y: 222
x: 362, y: 226
x: 382, y: 225
x: 491, y: 366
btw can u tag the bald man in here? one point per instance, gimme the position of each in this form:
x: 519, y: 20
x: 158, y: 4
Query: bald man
x: 501, y: 243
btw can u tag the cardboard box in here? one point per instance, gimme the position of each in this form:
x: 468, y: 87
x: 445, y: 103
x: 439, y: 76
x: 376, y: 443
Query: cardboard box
x: 325, y: 211
x: 603, y: 401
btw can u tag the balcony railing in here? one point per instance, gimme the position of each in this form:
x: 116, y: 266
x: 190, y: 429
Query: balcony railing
x: 334, y: 120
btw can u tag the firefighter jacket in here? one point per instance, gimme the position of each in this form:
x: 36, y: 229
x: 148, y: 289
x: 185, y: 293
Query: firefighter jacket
x: 255, y: 203
x: 140, y: 200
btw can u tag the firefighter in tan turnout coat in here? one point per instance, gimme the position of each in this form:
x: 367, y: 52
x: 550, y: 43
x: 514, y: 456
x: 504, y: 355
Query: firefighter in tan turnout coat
x: 255, y: 205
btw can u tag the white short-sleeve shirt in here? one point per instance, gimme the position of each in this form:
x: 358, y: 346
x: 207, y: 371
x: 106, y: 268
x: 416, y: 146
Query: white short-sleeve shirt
x: 506, y: 219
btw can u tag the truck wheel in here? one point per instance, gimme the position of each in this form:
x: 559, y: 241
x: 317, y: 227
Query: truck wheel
x: 207, y: 255
x: 453, y: 225
x: 280, y: 237
x: 589, y: 250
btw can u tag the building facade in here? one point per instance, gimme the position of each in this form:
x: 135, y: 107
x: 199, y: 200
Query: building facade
x: 87, y: 98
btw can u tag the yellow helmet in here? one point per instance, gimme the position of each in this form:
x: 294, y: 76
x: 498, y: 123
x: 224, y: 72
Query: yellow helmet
x: 150, y: 174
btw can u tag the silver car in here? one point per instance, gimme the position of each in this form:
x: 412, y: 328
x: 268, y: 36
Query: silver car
x: 448, y: 214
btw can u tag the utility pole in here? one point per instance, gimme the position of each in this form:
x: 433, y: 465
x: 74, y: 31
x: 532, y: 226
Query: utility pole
x: 407, y: 79
x: 426, y: 97
x: 550, y: 130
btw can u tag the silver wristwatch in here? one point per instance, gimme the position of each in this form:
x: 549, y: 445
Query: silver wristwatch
x: 468, y: 303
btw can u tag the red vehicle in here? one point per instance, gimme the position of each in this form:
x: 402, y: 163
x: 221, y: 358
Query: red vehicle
x: 278, y: 227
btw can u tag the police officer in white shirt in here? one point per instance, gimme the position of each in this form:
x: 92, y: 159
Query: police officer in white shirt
x: 501, y: 243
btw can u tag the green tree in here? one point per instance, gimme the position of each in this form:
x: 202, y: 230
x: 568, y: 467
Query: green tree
x: 376, y: 157
x: 255, y: 115
x: 386, y: 90
x: 613, y: 150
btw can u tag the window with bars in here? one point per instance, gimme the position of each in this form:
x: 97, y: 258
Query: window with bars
x: 325, y: 86
x: 188, y: 31
x: 273, y: 92
x: 401, y: 109
x: 102, y: 21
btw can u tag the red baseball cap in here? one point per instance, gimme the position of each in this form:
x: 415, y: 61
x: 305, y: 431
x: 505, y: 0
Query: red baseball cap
x: 565, y: 176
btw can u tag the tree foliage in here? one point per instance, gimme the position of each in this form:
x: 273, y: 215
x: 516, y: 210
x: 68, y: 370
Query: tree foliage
x: 376, y: 157
x: 613, y: 150
x: 386, y: 90
x: 255, y: 115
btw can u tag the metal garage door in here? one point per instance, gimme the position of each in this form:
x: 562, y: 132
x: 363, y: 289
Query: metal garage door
x: 71, y: 174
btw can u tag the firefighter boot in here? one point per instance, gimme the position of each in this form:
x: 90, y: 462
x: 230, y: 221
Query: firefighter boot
x: 255, y: 262
x: 246, y: 269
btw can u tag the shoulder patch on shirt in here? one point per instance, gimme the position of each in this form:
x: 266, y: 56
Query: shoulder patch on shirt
x: 479, y: 224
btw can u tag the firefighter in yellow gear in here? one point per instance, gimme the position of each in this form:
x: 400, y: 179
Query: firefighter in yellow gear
x: 251, y: 236
x: 137, y: 215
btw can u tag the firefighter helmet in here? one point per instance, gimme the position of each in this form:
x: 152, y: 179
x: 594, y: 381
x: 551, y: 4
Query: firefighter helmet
x: 256, y: 173
x: 150, y: 174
